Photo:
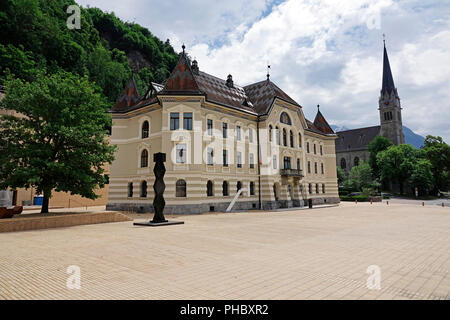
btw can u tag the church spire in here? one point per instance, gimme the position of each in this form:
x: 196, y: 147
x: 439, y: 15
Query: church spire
x: 388, y: 80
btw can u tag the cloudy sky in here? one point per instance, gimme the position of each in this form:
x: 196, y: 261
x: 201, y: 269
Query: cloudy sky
x: 323, y: 52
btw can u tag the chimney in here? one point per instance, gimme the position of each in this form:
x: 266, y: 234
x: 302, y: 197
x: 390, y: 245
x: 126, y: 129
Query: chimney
x: 230, y: 81
x: 194, y: 67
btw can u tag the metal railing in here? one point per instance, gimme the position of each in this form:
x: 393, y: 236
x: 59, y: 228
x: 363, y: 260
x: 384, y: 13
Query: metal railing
x: 292, y: 172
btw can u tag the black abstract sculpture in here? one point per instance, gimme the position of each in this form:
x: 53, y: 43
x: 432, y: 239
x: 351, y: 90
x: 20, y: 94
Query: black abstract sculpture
x: 158, y: 202
x: 159, y: 186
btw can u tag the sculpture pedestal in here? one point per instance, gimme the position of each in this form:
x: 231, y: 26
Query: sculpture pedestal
x: 157, y: 224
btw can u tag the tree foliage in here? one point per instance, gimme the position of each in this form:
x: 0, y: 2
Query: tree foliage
x: 403, y: 162
x: 378, y: 144
x: 361, y: 176
x: 34, y: 37
x: 57, y: 140
x: 340, y: 175
x: 438, y: 153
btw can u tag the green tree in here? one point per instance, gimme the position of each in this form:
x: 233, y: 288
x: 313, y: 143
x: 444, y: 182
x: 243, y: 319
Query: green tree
x: 397, y: 163
x: 378, y: 144
x: 438, y: 153
x: 361, y: 176
x: 340, y: 175
x: 58, y: 140
x: 421, y: 176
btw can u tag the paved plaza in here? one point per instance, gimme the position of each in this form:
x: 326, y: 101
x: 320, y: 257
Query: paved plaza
x: 321, y: 253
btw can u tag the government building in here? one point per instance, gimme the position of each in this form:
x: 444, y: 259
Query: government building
x: 351, y: 146
x: 218, y: 138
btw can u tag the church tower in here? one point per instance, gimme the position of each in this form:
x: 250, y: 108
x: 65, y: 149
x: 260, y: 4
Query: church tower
x: 389, y: 106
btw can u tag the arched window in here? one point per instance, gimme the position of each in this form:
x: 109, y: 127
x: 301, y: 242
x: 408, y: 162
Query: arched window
x: 299, y: 140
x: 145, y: 130
x: 143, y: 189
x: 180, y: 188
x: 356, y: 161
x: 238, y: 186
x: 225, y: 188
x: 284, y: 138
x: 277, y: 135
x: 343, y: 164
x: 284, y: 118
x: 144, y: 158
x: 291, y: 138
x: 252, y: 188
x: 315, y: 151
x: 209, y: 188
x: 270, y: 133
x: 130, y: 189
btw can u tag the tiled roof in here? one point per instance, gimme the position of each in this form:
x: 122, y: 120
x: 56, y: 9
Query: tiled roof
x: 263, y: 93
x: 321, y: 124
x: 182, y: 80
x: 356, y: 139
x: 216, y: 90
x: 255, y: 98
x: 128, y: 98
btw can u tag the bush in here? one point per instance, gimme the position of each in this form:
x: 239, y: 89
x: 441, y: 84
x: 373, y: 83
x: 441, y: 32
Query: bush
x: 361, y: 198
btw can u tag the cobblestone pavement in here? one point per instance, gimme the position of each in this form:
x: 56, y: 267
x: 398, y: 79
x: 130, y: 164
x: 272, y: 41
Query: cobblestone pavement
x: 309, y: 254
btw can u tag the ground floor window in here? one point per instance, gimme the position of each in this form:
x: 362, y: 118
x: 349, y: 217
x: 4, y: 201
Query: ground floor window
x: 130, y: 189
x: 252, y: 188
x: 310, y: 188
x: 238, y: 186
x: 225, y: 188
x: 143, y: 189
x: 323, y: 187
x: 317, y: 188
x: 209, y: 188
x: 180, y: 188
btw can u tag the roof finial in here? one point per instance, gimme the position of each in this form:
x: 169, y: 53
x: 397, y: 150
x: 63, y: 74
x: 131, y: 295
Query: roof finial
x: 318, y: 107
x: 184, y: 47
x: 268, y: 73
x: 384, y: 40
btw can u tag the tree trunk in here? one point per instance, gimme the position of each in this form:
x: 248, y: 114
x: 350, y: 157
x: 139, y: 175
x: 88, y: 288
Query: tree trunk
x: 45, y: 201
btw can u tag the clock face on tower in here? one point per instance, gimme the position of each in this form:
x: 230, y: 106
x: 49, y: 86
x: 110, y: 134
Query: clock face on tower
x: 387, y: 102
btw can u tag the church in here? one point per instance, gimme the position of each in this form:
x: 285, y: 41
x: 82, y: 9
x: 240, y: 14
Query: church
x: 222, y: 141
x: 351, y: 145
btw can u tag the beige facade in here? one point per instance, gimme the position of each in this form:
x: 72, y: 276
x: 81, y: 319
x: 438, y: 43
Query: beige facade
x: 211, y: 184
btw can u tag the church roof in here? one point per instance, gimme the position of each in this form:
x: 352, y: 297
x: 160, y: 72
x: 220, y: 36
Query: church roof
x: 356, y: 139
x: 388, y: 80
x: 128, y: 98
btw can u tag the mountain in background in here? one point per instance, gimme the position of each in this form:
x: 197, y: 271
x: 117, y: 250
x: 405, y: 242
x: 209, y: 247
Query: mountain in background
x: 410, y: 137
x: 34, y: 38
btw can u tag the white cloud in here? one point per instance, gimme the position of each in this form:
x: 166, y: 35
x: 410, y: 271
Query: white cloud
x: 320, y: 51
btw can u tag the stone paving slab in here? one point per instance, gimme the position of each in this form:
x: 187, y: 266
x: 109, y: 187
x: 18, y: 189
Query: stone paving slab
x: 305, y: 254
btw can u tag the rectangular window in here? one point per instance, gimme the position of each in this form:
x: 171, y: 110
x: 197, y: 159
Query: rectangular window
x: 321, y: 168
x: 307, y: 147
x: 210, y: 127
x: 252, y: 161
x: 181, y: 153
x: 274, y: 162
x: 287, y: 162
x: 309, y: 167
x: 225, y: 158
x: 187, y: 121
x: 238, y: 132
x: 239, y: 159
x: 210, y: 155
x: 225, y: 130
x: 174, y: 121
x: 250, y: 135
